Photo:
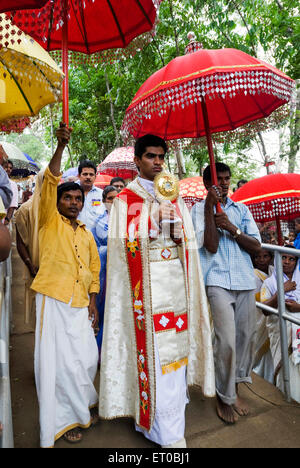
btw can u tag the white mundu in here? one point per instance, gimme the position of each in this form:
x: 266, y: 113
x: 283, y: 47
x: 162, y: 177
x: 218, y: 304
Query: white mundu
x: 157, y: 337
x: 65, y: 360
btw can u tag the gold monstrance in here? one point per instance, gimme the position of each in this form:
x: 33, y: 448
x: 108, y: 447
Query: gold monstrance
x: 166, y: 186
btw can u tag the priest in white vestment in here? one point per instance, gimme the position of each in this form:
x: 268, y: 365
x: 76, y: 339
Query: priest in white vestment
x: 157, y: 337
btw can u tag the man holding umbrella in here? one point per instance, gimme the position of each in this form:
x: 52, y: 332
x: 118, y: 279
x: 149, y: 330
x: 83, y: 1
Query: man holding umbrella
x: 225, y: 240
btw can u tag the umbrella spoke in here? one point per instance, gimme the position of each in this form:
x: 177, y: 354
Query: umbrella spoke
x: 19, y: 87
x: 117, y: 22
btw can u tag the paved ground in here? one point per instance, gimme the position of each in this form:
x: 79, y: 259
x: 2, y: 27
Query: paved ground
x: 273, y: 423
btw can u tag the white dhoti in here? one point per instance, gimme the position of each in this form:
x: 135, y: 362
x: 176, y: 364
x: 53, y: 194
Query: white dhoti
x: 65, y: 362
x: 171, y: 399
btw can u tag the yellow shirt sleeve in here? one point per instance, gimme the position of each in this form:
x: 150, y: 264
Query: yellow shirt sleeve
x: 48, y: 201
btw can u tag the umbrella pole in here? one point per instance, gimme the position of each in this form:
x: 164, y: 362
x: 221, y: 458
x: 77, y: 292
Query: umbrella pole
x: 65, y: 63
x: 210, y: 149
x: 279, y: 233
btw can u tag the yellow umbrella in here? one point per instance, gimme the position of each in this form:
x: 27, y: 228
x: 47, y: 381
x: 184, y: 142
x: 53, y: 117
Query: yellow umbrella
x: 29, y: 77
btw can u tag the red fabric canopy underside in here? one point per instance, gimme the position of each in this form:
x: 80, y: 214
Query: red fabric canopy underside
x: 93, y: 26
x: 7, y: 5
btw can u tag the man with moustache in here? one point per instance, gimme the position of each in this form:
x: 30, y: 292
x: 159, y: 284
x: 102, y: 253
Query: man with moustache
x: 226, y: 240
x: 66, y: 284
x: 93, y: 204
x: 156, y: 337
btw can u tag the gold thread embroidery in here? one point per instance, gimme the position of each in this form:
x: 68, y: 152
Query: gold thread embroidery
x: 285, y: 192
x: 42, y: 317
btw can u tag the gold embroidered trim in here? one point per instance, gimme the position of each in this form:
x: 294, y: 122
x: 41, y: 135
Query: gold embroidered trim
x: 285, y: 192
x: 42, y: 317
x: 174, y: 366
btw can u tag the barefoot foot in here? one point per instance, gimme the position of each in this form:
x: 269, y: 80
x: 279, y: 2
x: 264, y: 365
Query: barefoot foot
x: 225, y: 412
x: 241, y: 407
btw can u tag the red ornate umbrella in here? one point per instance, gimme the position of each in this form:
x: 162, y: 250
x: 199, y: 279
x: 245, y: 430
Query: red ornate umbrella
x: 274, y: 197
x: 207, y: 92
x: 119, y: 163
x: 192, y: 190
x: 102, y: 180
x: 7, y: 5
x: 84, y: 26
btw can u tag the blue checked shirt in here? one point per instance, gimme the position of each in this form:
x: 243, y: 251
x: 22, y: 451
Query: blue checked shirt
x: 231, y: 267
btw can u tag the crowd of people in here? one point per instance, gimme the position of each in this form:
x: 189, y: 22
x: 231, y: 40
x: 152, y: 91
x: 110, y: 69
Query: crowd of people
x: 155, y: 296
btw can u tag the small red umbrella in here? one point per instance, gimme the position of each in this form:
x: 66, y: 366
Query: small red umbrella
x: 7, y: 5
x: 192, y: 190
x: 102, y: 180
x: 84, y: 26
x: 206, y: 92
x: 274, y: 197
x: 119, y: 163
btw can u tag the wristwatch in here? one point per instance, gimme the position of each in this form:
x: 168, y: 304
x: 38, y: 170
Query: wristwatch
x: 237, y: 233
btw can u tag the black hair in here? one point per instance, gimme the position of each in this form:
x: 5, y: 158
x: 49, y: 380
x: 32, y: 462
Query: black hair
x: 117, y: 179
x: 69, y: 187
x: 86, y: 163
x: 107, y: 190
x: 148, y: 140
x: 242, y: 181
x: 220, y: 167
x: 10, y: 162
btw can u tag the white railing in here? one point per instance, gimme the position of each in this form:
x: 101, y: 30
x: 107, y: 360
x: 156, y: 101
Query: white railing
x: 281, y: 312
x: 6, y: 437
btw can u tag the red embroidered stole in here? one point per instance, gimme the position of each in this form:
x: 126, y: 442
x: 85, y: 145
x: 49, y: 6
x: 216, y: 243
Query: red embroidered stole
x: 133, y: 250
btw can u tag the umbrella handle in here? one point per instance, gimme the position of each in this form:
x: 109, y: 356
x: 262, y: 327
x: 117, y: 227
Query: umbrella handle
x: 213, y: 170
x: 65, y: 62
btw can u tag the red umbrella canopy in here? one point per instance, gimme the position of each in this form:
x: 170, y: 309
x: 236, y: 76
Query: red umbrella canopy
x: 119, y: 163
x: 83, y: 26
x: 192, y: 190
x: 102, y: 180
x: 7, y: 5
x: 236, y: 88
x: 272, y: 197
x: 93, y: 25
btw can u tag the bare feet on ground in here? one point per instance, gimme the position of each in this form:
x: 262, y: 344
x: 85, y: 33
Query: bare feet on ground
x: 226, y: 412
x: 240, y: 406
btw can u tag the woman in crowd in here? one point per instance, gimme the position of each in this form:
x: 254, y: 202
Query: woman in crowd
x: 291, y: 276
x: 100, y: 232
x: 263, y: 364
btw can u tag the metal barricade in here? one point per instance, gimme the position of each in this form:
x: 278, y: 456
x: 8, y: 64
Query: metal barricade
x: 281, y: 312
x: 6, y: 437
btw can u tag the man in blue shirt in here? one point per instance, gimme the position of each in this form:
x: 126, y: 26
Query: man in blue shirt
x: 225, y: 242
x: 5, y: 189
x: 297, y: 231
x: 93, y: 204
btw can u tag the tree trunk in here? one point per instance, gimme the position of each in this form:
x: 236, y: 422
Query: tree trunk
x: 294, y: 133
x: 180, y: 163
x: 112, y: 114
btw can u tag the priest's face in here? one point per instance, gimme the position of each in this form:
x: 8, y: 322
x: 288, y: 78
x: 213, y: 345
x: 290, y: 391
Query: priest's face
x: 151, y: 162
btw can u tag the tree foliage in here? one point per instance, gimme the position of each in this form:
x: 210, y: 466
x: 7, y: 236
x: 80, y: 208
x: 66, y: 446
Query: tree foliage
x: 99, y: 95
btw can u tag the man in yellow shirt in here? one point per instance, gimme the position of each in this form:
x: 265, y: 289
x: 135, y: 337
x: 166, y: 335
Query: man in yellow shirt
x: 66, y: 284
